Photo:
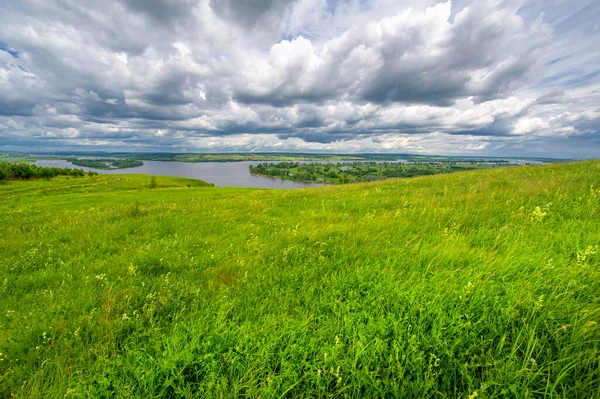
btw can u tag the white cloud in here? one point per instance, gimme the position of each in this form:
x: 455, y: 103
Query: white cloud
x: 418, y: 75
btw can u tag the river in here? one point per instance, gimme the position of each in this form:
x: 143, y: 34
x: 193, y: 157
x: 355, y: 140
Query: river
x: 221, y: 174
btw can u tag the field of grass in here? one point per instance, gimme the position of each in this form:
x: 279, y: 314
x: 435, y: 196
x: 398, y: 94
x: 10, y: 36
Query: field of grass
x: 475, y: 284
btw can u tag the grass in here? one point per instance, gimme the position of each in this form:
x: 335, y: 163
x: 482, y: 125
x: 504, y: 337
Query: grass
x: 475, y: 284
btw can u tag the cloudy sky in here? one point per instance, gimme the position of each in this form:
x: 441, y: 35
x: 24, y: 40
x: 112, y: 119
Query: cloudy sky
x: 489, y: 77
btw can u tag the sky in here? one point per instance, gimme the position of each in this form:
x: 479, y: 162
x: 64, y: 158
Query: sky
x: 481, y: 77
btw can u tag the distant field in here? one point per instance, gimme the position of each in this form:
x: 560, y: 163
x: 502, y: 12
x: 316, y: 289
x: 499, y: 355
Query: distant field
x: 12, y: 156
x: 281, y: 157
x: 473, y: 284
x: 239, y: 157
x: 191, y: 157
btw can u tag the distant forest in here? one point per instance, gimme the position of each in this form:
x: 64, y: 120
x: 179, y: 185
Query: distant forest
x: 355, y: 172
x: 25, y: 171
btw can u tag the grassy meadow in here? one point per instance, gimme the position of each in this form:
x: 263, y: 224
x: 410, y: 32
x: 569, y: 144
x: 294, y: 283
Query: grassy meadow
x: 478, y: 284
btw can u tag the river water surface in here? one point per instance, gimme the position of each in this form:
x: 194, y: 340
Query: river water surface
x: 222, y: 174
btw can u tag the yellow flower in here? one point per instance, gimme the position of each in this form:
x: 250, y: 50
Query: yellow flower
x: 538, y: 215
x: 132, y: 270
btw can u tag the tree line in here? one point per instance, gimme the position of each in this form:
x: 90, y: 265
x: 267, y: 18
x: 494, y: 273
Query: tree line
x: 106, y: 164
x: 351, y: 172
x: 26, y: 171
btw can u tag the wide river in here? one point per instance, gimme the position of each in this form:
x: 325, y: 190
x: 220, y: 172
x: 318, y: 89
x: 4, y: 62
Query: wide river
x: 222, y: 174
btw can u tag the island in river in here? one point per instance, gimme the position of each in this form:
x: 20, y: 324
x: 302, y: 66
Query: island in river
x: 355, y: 172
x: 106, y: 163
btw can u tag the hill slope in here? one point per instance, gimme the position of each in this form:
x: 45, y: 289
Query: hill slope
x: 479, y: 284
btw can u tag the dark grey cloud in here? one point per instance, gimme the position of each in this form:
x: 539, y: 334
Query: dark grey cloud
x: 169, y: 13
x: 250, y: 13
x: 9, y: 107
x: 553, y: 97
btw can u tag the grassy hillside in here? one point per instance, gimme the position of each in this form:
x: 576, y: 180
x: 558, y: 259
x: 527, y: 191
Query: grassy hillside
x: 477, y: 284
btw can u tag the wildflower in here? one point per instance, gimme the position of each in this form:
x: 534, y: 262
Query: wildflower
x: 131, y: 270
x: 583, y: 256
x: 539, y: 303
x: 538, y: 215
x: 533, y: 361
x: 337, y: 374
x: 473, y: 395
x: 468, y: 289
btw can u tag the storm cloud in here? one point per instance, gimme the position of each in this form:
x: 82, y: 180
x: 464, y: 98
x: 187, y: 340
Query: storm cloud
x: 494, y: 77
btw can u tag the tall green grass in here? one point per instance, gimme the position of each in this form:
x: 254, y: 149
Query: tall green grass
x: 478, y: 284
